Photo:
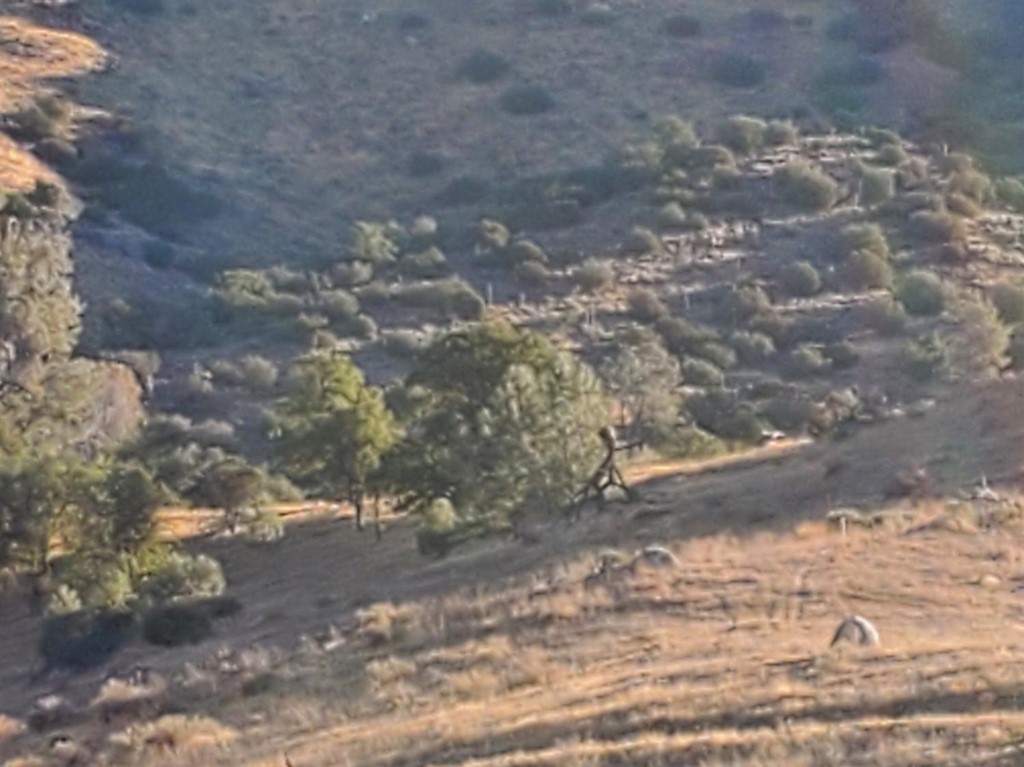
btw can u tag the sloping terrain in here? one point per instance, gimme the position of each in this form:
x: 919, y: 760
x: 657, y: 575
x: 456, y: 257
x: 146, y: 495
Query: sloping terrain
x: 723, y: 657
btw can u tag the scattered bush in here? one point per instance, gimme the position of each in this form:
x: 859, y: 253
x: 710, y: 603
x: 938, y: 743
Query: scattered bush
x: 594, y: 275
x: 428, y: 264
x: 183, y: 576
x: 800, y: 279
x: 806, y: 361
x: 983, y: 340
x: 742, y: 134
x: 922, y: 360
x: 526, y: 100
x: 482, y: 66
x: 739, y: 70
x: 912, y: 174
x: 682, y: 337
x: 523, y: 252
x: 352, y: 274
x: 972, y: 184
x: 1010, y: 192
x: 842, y: 355
x: 718, y: 412
x: 718, y: 354
x: 922, y: 294
x: 423, y: 231
x: 672, y: 217
x: 698, y: 372
x: 337, y: 305
x: 682, y: 25
x: 454, y: 298
x: 533, y: 273
x: 752, y: 348
x: 373, y: 293
x: 868, y: 238
x: 1009, y: 302
x: 642, y: 242
x: 491, y: 236
x: 775, y: 326
x: 253, y: 372
x: 805, y: 187
x: 176, y: 625
x: 790, y: 411
x: 885, y: 316
x: 741, y: 305
x: 645, y: 306
x: 877, y: 185
x: 891, y: 155
x: 962, y: 205
x: 864, y: 270
x: 781, y: 133
x: 937, y: 227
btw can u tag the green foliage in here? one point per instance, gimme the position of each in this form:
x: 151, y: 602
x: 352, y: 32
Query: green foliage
x: 805, y: 187
x: 924, y: 359
x: 332, y: 430
x: 373, y: 242
x: 877, y: 185
x: 645, y: 380
x: 799, y: 278
x: 885, y: 316
x: 752, y: 348
x: 682, y: 25
x: 505, y: 422
x: 700, y: 372
x: 841, y: 355
x: 482, y: 66
x: 962, y: 205
x: 525, y: 251
x: 491, y: 236
x: 683, y: 337
x: 806, y: 361
x: 937, y: 227
x: 922, y: 293
x: 593, y: 275
x: 741, y: 305
x: 718, y: 412
x: 533, y: 273
x: 1009, y: 302
x: 972, y: 184
x: 672, y: 217
x: 742, y: 134
x: 642, y: 242
x: 1010, y: 192
x: 644, y: 305
x: 181, y: 577
x: 891, y: 155
x: 527, y: 99
x: 864, y: 270
x: 739, y: 70
x: 781, y: 133
x: 983, y: 340
x: 252, y: 372
x: 453, y: 298
x: 427, y: 264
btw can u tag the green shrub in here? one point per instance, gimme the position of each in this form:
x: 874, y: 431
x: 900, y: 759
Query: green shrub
x: 681, y: 336
x: 523, y: 252
x: 891, y: 155
x: 877, y: 186
x: 800, y: 279
x: 373, y: 293
x: 482, y: 66
x: 842, y: 355
x: 642, y: 242
x: 491, y: 236
x: 772, y: 324
x: 718, y: 412
x: 720, y: 355
x: 790, y: 412
x: 741, y: 305
x: 982, y: 340
x: 863, y: 270
x: 176, y: 625
x: 645, y: 306
x: 682, y: 25
x: 428, y: 264
x: 742, y: 134
x: 885, y: 316
x: 739, y: 70
x: 865, y: 238
x: 912, y: 173
x: 454, y: 298
x: 806, y: 361
x: 937, y: 227
x: 805, y: 187
x: 352, y: 274
x: 752, y: 348
x: 1009, y: 302
x: 962, y: 205
x: 971, y: 184
x: 781, y: 133
x: 533, y: 273
x: 84, y: 639
x: 526, y: 100
x: 337, y: 305
x: 672, y: 216
x: 1010, y: 192
x: 922, y: 293
x: 924, y: 359
x: 404, y: 344
x: 594, y: 275
x: 698, y: 372
x: 423, y: 231
x: 182, y: 576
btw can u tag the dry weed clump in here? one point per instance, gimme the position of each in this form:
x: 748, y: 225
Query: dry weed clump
x: 387, y: 623
x: 9, y: 727
x: 119, y: 697
x: 175, y: 733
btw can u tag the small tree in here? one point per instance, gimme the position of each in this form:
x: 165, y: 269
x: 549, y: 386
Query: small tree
x: 645, y: 379
x: 233, y: 486
x: 333, y: 429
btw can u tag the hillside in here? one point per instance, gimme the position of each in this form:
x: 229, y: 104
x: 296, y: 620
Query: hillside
x: 722, y: 658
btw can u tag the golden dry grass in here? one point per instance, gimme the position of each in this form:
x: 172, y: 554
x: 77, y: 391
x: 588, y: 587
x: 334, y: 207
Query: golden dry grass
x: 174, y: 733
x: 30, y: 55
